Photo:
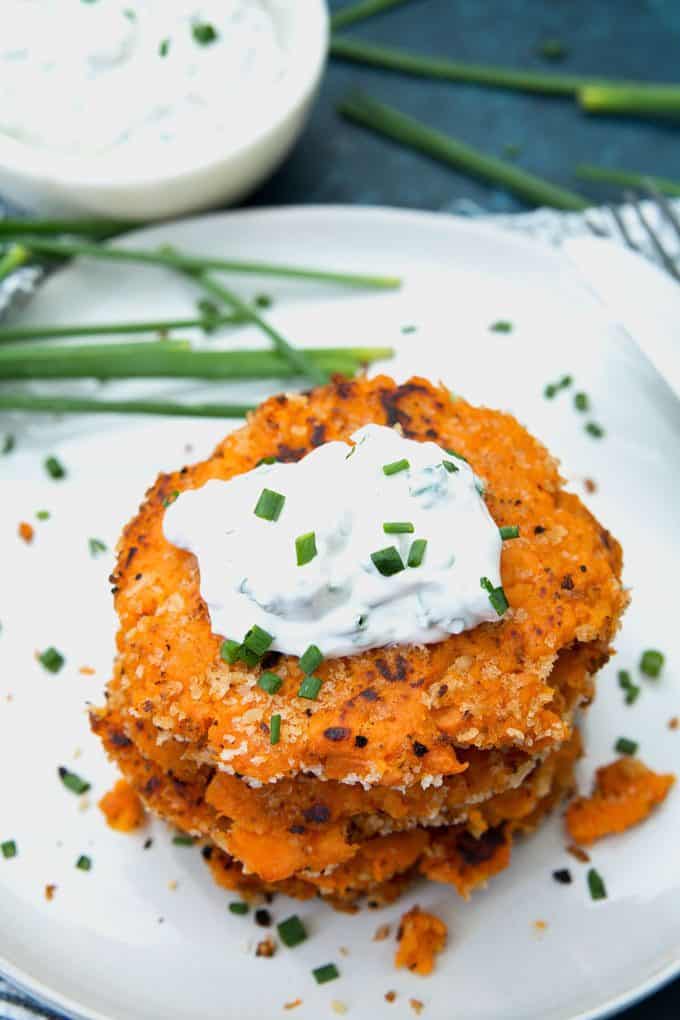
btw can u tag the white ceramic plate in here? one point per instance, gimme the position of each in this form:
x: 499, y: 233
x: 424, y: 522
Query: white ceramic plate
x: 99, y: 948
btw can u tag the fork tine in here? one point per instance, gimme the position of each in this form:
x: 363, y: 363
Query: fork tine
x: 664, y: 205
x: 623, y: 229
x: 653, y: 237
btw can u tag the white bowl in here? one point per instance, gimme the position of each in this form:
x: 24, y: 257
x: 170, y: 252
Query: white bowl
x: 60, y: 185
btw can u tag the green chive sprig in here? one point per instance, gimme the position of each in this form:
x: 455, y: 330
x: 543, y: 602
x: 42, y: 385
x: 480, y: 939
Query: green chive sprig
x: 631, y: 690
x: 497, y: 596
x: 9, y: 849
x: 72, y: 781
x: 13, y: 334
x: 629, y: 99
x: 55, y: 468
x: 651, y: 663
x: 96, y: 546
x: 310, y: 687
x: 360, y: 11
x: 329, y: 972
x: 398, y: 528
x: 269, y: 505
x: 51, y: 659
x: 311, y: 659
x: 275, y: 729
x: 86, y: 405
x: 395, y: 467
x: 388, y: 561
x: 408, y: 131
x: 270, y: 682
x: 626, y: 746
x: 509, y: 531
x: 238, y: 907
x: 182, y: 839
x: 84, y: 863
x: 416, y: 553
x: 305, y: 548
x: 292, y: 931
x: 626, y: 179
x: 596, y: 886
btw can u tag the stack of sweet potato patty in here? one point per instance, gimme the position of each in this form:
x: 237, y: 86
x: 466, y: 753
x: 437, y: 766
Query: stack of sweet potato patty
x: 413, y: 759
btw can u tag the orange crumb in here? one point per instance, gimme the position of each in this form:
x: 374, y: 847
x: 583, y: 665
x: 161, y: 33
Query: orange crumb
x: 267, y: 947
x: 381, y: 933
x: 344, y: 951
x: 49, y: 892
x: 122, y: 808
x: 390, y: 996
x: 421, y: 936
x: 673, y: 723
x: 589, y: 485
x: 540, y: 925
x: 292, y: 1005
x: 417, y: 1006
x: 623, y: 795
x: 579, y: 853
x: 338, y: 1007
x: 26, y: 532
x: 86, y: 671
x: 172, y: 884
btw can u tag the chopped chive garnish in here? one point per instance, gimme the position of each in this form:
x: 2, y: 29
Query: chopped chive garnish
x: 229, y: 651
x: 292, y: 931
x: 43, y: 515
x: 594, y: 430
x: 502, y: 326
x: 565, y: 381
x: 329, y: 972
x: 651, y: 663
x: 266, y: 460
x: 172, y: 498
x: 416, y: 553
x: 72, y: 782
x: 164, y: 47
x: 8, y: 444
x: 408, y: 329
x: 263, y: 301
x: 305, y: 548
x: 257, y: 640
x: 269, y: 505
x: 625, y: 746
x: 311, y: 659
x: 310, y: 687
x: 248, y: 656
x: 204, y: 33
x: 396, y: 466
x: 387, y: 561
x: 450, y: 466
x: 84, y: 863
x: 211, y: 317
x: 270, y: 682
x: 550, y: 391
x: 454, y: 453
x: 8, y: 849
x: 96, y: 546
x: 509, y: 531
x: 398, y: 528
x: 581, y: 402
x: 596, y: 885
x: 626, y: 684
x: 55, y: 468
x: 181, y: 839
x: 497, y: 596
x: 275, y: 729
x: 51, y: 659
x: 239, y: 907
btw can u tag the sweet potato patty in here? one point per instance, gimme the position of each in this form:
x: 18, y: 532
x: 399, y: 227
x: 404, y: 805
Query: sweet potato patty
x: 415, y: 708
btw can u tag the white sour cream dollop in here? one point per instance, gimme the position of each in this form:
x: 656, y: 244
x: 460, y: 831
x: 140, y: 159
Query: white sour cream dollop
x: 340, y: 601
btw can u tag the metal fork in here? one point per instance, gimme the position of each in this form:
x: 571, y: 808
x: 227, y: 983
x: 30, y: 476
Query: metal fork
x: 620, y: 229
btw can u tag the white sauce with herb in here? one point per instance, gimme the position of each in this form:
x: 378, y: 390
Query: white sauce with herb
x: 162, y: 77
x: 339, y: 600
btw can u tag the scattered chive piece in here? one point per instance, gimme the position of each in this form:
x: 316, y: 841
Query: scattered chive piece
x: 550, y: 391
x: 454, y: 453
x: 626, y: 684
x: 329, y: 972
x: 96, y: 546
x: 229, y: 651
x: 351, y: 13
x: 596, y: 885
x: 398, y: 528
x: 275, y: 729
x: 552, y: 49
x: 84, y: 863
x: 270, y: 682
x: 211, y: 317
x: 172, y: 498
x: 55, y: 468
x: 292, y: 931
x: 408, y: 329
x: 8, y: 849
x: 450, y: 466
x: 310, y: 687
x: 266, y: 460
x: 8, y: 444
x: 594, y: 430
x: 311, y: 659
x: 43, y: 515
x: 625, y: 746
x: 305, y: 548
x: 509, y: 531
x: 269, y: 505
x: 257, y: 640
x: 395, y: 467
x: 497, y: 596
x: 263, y: 301
x: 387, y: 561
x: 204, y: 33
x: 72, y: 781
x: 181, y: 839
x: 651, y: 663
x: 239, y: 907
x: 164, y: 48
x: 248, y: 656
x: 581, y: 402
x: 51, y: 659
x: 416, y: 553
x: 502, y: 326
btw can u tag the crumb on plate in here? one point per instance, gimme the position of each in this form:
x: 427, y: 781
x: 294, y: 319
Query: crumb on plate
x: 267, y: 947
x: 420, y: 936
x: 122, y: 808
x: 382, y: 932
x: 292, y: 1005
x: 390, y: 996
x: 49, y: 892
x: 417, y: 1006
x: 26, y: 532
x: 673, y: 723
x: 579, y: 853
x: 86, y: 671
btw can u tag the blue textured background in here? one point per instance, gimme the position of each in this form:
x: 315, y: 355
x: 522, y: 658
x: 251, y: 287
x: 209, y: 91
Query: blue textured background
x: 338, y: 162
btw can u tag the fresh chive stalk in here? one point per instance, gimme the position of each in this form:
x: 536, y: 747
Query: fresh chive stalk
x: 387, y: 561
x: 625, y: 178
x: 398, y: 528
x: 51, y: 228
x: 87, y: 405
x: 509, y: 531
x: 270, y: 682
x: 310, y: 687
x: 497, y: 596
x: 12, y: 259
x: 275, y: 729
x: 11, y: 334
x: 311, y: 659
x: 629, y: 99
x: 269, y: 505
x: 305, y: 548
x: 416, y: 553
x: 395, y: 467
x: 360, y: 11
x: 69, y: 248
x: 292, y: 931
x: 73, y: 782
x: 388, y: 121
x: 651, y: 663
